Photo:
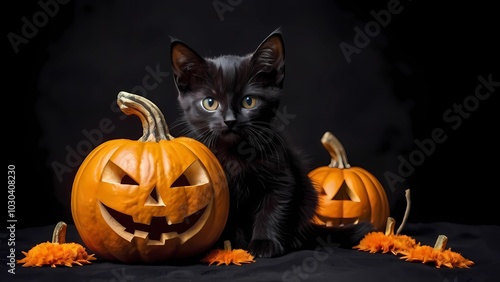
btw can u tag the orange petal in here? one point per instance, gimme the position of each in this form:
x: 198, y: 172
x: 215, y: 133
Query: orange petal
x: 374, y: 242
x: 236, y: 256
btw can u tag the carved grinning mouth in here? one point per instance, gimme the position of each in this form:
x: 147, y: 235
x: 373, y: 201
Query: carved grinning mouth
x: 158, y: 230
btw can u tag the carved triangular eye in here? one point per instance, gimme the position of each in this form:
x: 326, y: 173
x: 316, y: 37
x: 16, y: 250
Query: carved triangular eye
x: 181, y: 181
x: 194, y: 175
x: 128, y: 180
x: 114, y: 174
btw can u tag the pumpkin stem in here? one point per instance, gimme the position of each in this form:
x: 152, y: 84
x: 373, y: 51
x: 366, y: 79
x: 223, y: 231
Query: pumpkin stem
x: 336, y: 150
x: 227, y: 245
x: 441, y: 242
x: 154, y: 126
x: 407, y: 211
x: 59, y: 233
x: 389, y: 227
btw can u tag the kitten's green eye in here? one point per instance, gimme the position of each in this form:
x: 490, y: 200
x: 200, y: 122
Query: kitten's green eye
x: 249, y: 102
x: 210, y: 104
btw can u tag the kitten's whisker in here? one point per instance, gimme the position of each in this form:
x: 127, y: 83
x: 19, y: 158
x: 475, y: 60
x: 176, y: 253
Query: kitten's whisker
x: 206, y: 137
x: 177, y: 122
x: 185, y: 131
x: 265, y: 135
x: 211, y: 139
x: 254, y: 139
x: 261, y: 142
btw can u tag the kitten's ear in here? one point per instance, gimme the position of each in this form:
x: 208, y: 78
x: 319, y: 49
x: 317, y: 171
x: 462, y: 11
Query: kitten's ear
x: 270, y: 56
x: 186, y: 64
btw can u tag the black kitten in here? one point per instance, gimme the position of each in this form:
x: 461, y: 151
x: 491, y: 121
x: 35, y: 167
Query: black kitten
x: 229, y: 103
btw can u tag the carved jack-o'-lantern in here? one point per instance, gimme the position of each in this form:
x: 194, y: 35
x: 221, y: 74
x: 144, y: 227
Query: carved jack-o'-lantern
x: 347, y: 194
x: 152, y: 199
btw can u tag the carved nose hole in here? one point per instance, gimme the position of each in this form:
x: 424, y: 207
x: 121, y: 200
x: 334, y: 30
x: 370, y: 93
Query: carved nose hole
x: 154, y: 198
x: 154, y: 194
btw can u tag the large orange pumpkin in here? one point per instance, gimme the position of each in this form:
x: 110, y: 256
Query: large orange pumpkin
x: 347, y: 194
x: 149, y: 200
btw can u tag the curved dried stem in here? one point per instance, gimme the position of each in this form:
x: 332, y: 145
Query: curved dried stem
x: 389, y: 227
x: 227, y: 245
x: 59, y: 233
x: 336, y: 151
x: 441, y: 243
x: 407, y: 211
x: 153, y: 122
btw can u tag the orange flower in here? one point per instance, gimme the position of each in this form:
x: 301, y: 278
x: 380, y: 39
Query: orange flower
x: 437, y: 255
x: 56, y: 252
x: 375, y: 242
x: 228, y: 256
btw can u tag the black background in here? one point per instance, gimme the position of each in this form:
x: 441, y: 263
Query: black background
x: 392, y: 94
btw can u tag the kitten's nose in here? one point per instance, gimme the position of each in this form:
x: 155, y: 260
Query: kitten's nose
x: 230, y: 123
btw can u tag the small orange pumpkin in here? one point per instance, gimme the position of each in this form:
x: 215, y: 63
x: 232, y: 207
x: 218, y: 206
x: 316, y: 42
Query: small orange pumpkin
x: 149, y: 200
x: 347, y: 194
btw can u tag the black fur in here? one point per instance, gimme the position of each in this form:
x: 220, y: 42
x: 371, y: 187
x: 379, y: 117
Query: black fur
x: 272, y: 198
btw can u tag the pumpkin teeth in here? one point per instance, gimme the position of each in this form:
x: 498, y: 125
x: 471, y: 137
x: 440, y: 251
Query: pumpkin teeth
x: 140, y: 234
x: 168, y: 236
x: 159, y: 229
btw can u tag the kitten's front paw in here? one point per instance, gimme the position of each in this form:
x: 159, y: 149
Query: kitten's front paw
x: 265, y: 248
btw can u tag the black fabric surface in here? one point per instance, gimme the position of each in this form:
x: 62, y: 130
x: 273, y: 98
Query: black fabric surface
x: 328, y: 262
